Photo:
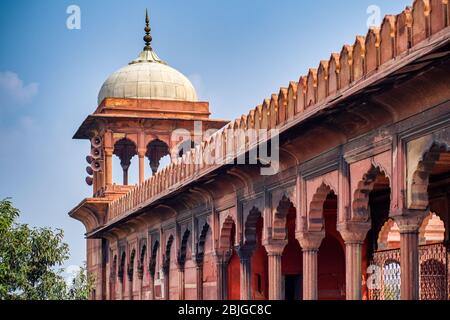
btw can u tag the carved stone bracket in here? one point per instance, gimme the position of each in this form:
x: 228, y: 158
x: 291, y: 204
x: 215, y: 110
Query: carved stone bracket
x: 409, y: 221
x: 354, y: 232
x: 310, y: 240
x: 275, y: 247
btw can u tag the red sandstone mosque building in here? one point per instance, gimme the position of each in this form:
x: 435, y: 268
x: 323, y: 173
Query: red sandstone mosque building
x: 359, y: 205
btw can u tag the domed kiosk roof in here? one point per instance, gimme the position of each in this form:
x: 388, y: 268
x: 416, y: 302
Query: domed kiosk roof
x: 144, y: 95
x: 148, y: 77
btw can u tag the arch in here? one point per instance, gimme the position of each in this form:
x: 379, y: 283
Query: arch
x: 226, y: 234
x: 432, y: 230
x: 360, y: 204
x: 153, y: 257
x: 125, y: 149
x: 279, y: 218
x: 130, y: 269
x: 142, y: 261
x: 200, y: 254
x: 316, y: 207
x: 155, y: 151
x: 166, y: 260
x: 183, y: 248
x: 420, y: 178
x: 250, y: 227
x: 389, y: 236
x: 122, y: 265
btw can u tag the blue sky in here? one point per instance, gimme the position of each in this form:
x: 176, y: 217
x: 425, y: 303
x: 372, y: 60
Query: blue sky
x: 236, y: 52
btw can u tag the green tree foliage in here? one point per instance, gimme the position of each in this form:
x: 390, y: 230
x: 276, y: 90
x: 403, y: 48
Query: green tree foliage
x: 31, y: 261
x: 82, y: 285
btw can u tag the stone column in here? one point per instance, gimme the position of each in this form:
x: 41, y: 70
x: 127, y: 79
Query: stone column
x: 166, y: 282
x: 274, y: 253
x: 152, y: 286
x: 141, y: 155
x: 222, y: 276
x: 108, y: 166
x: 245, y: 258
x: 121, y: 288
x: 140, y: 295
x: 409, y: 224
x: 130, y: 289
x: 125, y: 174
x: 354, y: 235
x: 181, y: 293
x: 199, y: 280
x: 310, y: 243
x: 140, y: 276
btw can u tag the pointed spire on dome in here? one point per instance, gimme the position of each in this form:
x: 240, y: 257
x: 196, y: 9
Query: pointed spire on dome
x: 147, y: 38
x: 147, y: 54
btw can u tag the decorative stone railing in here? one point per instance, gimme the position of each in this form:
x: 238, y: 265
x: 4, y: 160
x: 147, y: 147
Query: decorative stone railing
x: 357, y: 62
x: 385, y: 276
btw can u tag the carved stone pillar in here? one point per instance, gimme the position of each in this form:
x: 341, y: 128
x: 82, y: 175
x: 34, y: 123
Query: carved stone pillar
x: 199, y: 280
x: 130, y: 288
x: 222, y: 276
x: 245, y: 257
x: 125, y: 167
x: 152, y: 286
x: 140, y: 293
x: 166, y: 271
x: 274, y: 253
x: 181, y: 291
x: 409, y: 224
x: 310, y: 243
x: 141, y: 155
x: 108, y: 166
x: 354, y: 235
x: 121, y: 288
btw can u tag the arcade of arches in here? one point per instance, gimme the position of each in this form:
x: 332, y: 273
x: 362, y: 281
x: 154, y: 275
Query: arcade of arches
x: 359, y: 207
x: 288, y: 254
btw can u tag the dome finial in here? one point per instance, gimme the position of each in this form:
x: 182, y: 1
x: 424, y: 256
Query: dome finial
x: 147, y: 29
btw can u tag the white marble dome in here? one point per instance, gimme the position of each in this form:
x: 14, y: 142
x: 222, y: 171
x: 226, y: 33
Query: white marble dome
x: 148, y: 77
